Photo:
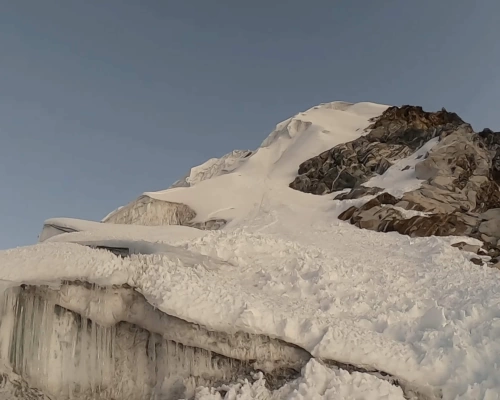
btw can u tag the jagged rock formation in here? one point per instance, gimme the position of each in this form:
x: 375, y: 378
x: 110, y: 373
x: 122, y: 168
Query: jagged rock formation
x: 395, y: 135
x: 459, y: 194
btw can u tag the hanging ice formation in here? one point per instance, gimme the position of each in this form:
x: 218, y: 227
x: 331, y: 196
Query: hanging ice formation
x: 80, y: 341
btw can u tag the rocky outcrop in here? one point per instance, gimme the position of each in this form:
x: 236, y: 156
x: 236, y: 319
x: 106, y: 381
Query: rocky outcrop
x: 459, y: 194
x: 396, y: 134
x: 385, y: 216
x: 358, y: 192
x: 152, y: 212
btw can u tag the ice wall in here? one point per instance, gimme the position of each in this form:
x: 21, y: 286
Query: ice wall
x: 148, y: 211
x: 152, y: 212
x: 84, y: 342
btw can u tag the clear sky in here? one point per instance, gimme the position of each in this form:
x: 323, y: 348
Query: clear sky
x: 103, y: 100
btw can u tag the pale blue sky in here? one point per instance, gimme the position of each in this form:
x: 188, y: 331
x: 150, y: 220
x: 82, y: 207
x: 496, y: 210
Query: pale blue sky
x: 101, y: 100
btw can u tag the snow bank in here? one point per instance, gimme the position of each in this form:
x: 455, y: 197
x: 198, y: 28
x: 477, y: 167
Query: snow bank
x: 73, y: 230
x: 316, y: 382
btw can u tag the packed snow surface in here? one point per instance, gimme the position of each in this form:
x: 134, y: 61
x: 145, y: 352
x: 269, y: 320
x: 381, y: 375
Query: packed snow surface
x: 286, y: 267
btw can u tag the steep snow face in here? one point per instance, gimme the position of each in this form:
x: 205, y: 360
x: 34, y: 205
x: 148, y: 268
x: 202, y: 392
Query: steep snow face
x: 231, y: 188
x: 236, y: 196
x: 150, y: 211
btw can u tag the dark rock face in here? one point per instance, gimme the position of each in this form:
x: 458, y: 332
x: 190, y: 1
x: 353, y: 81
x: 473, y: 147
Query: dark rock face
x: 460, y: 193
x: 359, y: 192
x: 396, y: 134
x: 492, y: 141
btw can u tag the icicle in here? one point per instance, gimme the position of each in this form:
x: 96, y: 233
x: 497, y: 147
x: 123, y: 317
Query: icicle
x: 69, y: 356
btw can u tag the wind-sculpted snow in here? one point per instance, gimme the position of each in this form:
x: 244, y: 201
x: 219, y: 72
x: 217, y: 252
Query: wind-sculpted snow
x: 214, y: 167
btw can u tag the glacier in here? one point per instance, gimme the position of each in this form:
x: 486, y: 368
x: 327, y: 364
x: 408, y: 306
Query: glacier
x: 280, y: 300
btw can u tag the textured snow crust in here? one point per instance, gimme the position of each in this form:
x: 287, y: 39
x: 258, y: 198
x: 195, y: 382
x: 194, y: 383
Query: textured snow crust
x: 316, y: 382
x: 286, y: 267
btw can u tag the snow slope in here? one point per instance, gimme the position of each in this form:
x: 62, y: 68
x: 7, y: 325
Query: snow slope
x: 237, y: 195
x: 287, y: 267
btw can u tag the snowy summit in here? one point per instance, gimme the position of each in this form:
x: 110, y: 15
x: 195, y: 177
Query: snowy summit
x: 353, y: 255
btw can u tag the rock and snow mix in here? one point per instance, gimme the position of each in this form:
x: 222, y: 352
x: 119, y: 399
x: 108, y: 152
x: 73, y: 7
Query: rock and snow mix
x: 285, y: 267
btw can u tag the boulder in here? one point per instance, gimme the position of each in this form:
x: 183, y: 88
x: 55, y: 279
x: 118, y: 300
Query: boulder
x: 493, y: 213
x: 477, y: 261
x: 471, y: 248
x: 358, y: 192
x: 491, y: 229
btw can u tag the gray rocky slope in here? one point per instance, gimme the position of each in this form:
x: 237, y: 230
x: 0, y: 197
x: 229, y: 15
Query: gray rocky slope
x: 459, y: 195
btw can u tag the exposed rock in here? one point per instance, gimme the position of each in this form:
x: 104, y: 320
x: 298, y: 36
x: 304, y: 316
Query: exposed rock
x: 472, y: 248
x: 492, y: 141
x: 493, y: 213
x: 490, y: 228
x: 488, y: 239
x: 477, y: 261
x: 387, y: 198
x: 396, y: 134
x: 358, y: 192
x: 459, y: 194
x: 396, y: 118
x: 210, y: 225
x: 496, y: 264
x: 347, y: 214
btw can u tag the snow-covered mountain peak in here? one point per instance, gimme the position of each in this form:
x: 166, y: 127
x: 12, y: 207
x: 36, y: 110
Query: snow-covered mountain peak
x: 325, y: 117
x: 230, y: 187
x: 330, y: 248
x: 274, y: 164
